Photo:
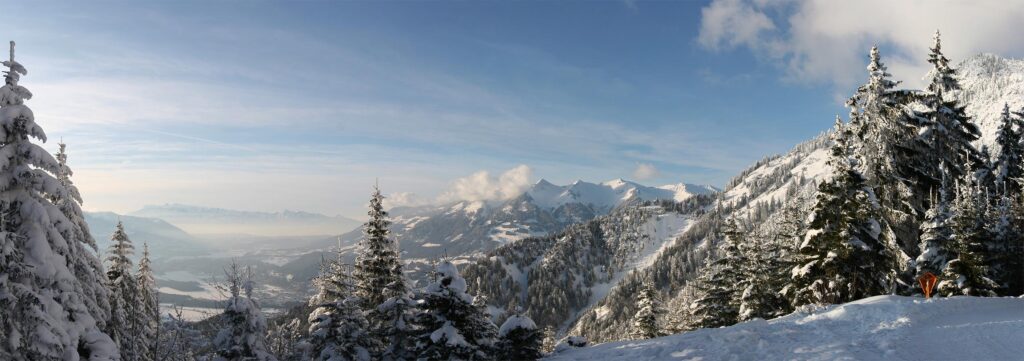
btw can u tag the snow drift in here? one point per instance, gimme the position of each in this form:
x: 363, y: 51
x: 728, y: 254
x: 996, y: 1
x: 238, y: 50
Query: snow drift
x: 875, y: 328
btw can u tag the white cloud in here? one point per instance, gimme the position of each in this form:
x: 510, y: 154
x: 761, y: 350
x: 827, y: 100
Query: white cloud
x: 404, y: 199
x: 482, y: 186
x: 731, y: 23
x: 646, y: 171
x: 828, y: 41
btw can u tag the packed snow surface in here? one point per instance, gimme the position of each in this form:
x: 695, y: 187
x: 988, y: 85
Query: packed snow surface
x: 875, y: 328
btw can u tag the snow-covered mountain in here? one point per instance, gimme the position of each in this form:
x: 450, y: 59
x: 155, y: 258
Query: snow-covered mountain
x: 475, y: 227
x: 608, y: 195
x: 206, y: 220
x: 875, y: 328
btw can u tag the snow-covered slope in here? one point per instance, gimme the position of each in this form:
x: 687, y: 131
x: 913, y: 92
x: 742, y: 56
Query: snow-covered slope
x: 988, y: 82
x: 557, y: 276
x: 876, y: 328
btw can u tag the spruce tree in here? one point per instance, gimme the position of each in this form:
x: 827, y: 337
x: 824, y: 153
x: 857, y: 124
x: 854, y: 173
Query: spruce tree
x: 396, y: 319
x: 1005, y: 254
x: 243, y: 336
x: 843, y: 257
x: 936, y: 234
x: 717, y: 303
x: 51, y: 283
x: 125, y: 319
x: 338, y: 330
x: 947, y: 129
x: 519, y: 339
x: 649, y: 309
x: 884, y: 138
x: 378, y: 256
x: 149, y: 307
x: 449, y: 325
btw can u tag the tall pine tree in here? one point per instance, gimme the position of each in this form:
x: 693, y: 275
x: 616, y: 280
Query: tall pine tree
x: 51, y: 283
x: 946, y: 128
x: 125, y: 302
x: 843, y: 256
x: 884, y: 138
x: 1009, y: 164
x: 377, y: 260
x: 149, y: 307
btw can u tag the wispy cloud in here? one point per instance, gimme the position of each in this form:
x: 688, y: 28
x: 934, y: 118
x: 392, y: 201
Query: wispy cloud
x: 828, y: 41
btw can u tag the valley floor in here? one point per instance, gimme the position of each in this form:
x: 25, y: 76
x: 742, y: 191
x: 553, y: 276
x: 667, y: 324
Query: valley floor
x: 876, y: 328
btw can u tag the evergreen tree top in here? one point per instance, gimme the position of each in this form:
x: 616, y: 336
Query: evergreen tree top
x: 120, y: 251
x: 943, y: 76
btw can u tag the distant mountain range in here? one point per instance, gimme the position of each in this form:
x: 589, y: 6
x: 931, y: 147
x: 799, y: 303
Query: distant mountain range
x: 475, y: 227
x: 219, y: 221
x: 164, y: 239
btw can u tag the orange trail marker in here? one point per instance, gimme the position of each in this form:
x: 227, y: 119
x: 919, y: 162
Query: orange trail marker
x: 927, y: 281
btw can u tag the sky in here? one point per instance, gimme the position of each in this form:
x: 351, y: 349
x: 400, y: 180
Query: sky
x: 304, y: 105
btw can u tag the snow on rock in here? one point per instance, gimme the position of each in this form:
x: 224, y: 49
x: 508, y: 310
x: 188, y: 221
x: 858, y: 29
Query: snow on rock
x: 875, y: 328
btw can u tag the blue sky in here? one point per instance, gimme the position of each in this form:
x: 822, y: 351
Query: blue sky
x: 302, y: 105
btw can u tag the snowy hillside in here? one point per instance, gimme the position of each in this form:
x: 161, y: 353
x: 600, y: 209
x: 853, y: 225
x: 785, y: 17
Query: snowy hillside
x: 205, y: 220
x: 557, y: 276
x: 876, y: 328
x: 988, y: 82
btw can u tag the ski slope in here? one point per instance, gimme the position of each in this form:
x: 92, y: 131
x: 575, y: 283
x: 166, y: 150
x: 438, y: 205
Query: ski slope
x: 876, y: 328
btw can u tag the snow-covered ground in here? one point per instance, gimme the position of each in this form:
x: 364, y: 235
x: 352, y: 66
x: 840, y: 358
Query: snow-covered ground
x: 876, y: 328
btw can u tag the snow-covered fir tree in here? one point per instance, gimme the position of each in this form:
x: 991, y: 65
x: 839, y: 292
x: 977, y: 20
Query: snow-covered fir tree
x: 243, y: 336
x: 149, y: 307
x: 971, y: 242
x: 884, y: 138
x: 716, y: 304
x: 449, y: 326
x: 51, y: 284
x: 936, y: 234
x: 761, y: 281
x: 649, y: 312
x: 1009, y: 164
x: 125, y: 322
x: 1005, y: 246
x: 395, y: 318
x: 842, y: 257
x: 338, y: 329
x: 378, y: 256
x: 519, y: 339
x: 946, y: 128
